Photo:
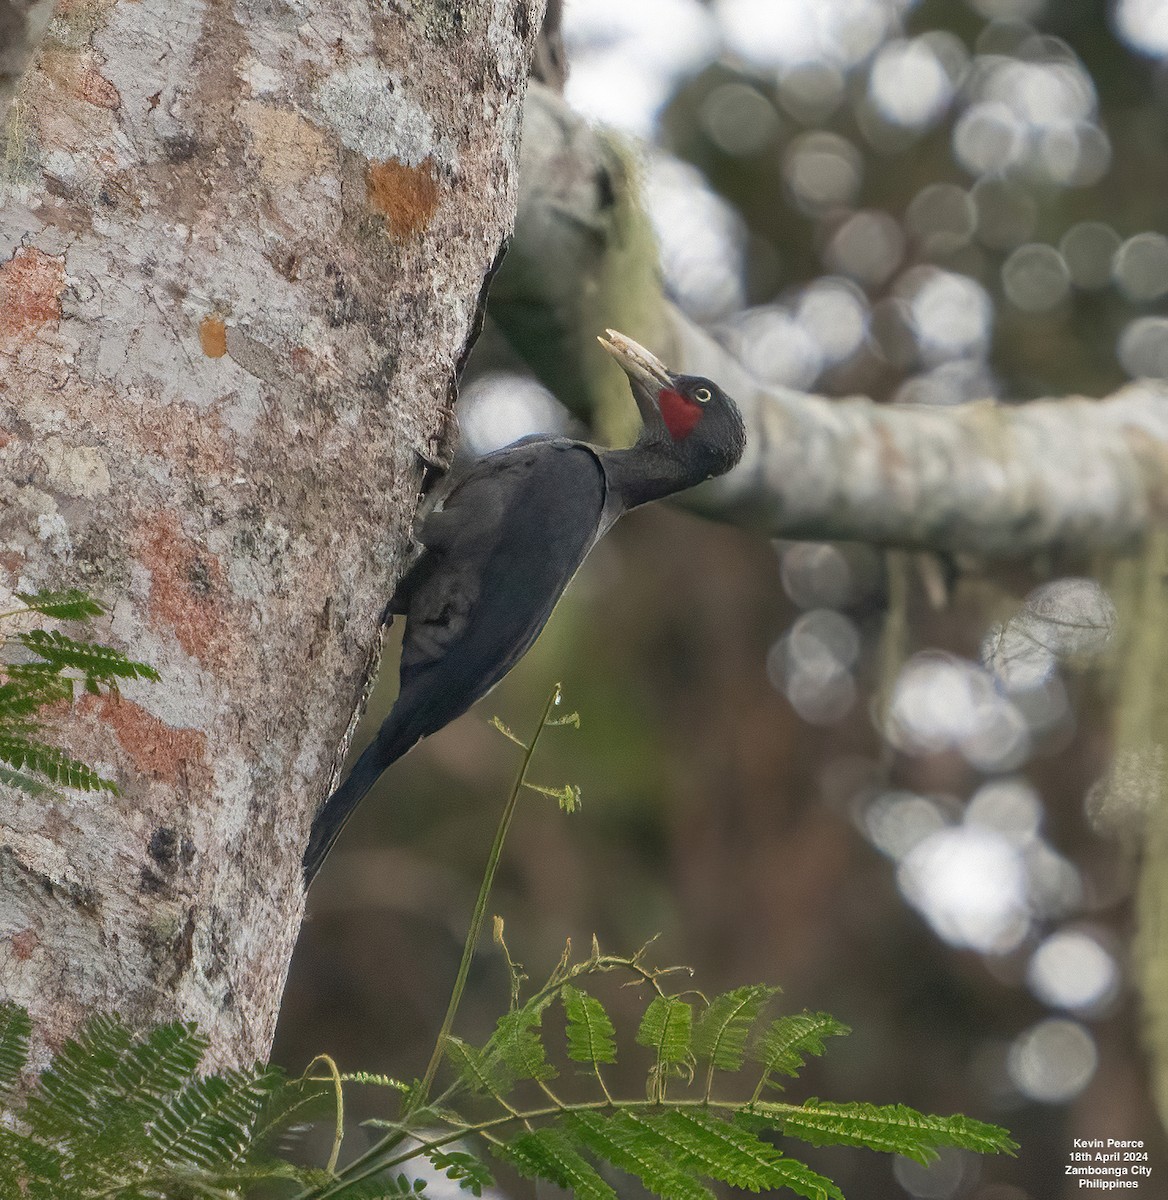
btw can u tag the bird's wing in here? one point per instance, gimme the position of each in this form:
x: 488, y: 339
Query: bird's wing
x: 477, y: 523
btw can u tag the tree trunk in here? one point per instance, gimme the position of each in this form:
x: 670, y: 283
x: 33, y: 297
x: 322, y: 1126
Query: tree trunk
x: 241, y: 250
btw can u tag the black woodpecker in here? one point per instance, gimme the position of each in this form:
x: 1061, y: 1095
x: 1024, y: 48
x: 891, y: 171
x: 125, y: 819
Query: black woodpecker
x: 504, y: 544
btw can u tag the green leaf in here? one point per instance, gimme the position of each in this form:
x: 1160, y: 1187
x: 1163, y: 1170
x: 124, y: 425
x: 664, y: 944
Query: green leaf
x: 29, y: 784
x: 892, y: 1128
x: 468, y: 1171
x: 590, y: 1033
x: 15, y: 1028
x: 96, y: 662
x: 782, y: 1047
x: 30, y: 687
x: 625, y: 1144
x: 720, y: 1032
x: 480, y: 1072
x: 516, y: 1041
x: 67, y: 1103
x: 732, y: 1154
x: 25, y: 754
x: 370, y: 1079
x: 209, y: 1122
x: 69, y: 605
x: 549, y: 1154
x: 666, y: 1028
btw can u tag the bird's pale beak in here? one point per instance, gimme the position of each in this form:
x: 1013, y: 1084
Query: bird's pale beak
x: 646, y: 372
x: 637, y: 362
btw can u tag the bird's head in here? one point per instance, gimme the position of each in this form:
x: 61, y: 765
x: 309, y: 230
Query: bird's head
x: 691, y: 415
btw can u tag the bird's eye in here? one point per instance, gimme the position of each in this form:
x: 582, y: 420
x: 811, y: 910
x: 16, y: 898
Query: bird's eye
x: 703, y: 395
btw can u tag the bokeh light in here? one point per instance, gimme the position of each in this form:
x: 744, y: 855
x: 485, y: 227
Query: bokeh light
x: 868, y: 246
x: 949, y: 1174
x: 1069, y: 620
x: 782, y: 36
x: 739, y: 119
x: 812, y: 665
x: 627, y: 58
x: 1072, y: 970
x: 497, y: 409
x: 700, y: 239
x: 969, y: 883
x: 940, y: 702
x: 1144, y: 25
x: 1141, y: 267
x: 909, y: 84
x: 1053, y: 1061
x: 1035, y: 278
x: 1143, y: 348
x: 951, y: 313
x: 823, y: 171
x: 1088, y: 249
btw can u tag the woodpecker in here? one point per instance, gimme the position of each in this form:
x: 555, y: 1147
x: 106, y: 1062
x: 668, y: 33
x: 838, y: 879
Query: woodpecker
x: 504, y: 543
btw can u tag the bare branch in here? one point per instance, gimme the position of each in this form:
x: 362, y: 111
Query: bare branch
x: 995, y: 480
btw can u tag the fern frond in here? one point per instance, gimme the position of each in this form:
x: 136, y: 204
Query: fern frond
x: 516, y: 1041
x: 29, y: 784
x: 72, y: 604
x: 67, y: 1105
x: 23, y: 783
x: 23, y: 753
x: 720, y: 1032
x: 96, y: 662
x: 385, y: 1187
x: 788, y: 1039
x: 15, y: 1028
x: 24, y: 1162
x: 666, y: 1028
x: 893, y: 1128
x: 480, y: 1072
x: 590, y: 1033
x: 625, y: 1145
x: 370, y: 1079
x: 732, y: 1154
x: 158, y: 1064
x: 549, y: 1154
x: 29, y: 687
x: 290, y: 1107
x: 461, y: 1167
x: 210, y: 1121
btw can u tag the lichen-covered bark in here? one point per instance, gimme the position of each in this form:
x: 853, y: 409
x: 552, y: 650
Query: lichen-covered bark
x: 985, y: 479
x: 22, y: 25
x: 241, y: 246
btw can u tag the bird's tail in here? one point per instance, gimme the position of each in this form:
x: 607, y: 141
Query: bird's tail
x: 387, y: 747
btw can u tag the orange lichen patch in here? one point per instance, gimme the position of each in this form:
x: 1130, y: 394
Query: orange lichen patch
x: 213, y: 336
x: 24, y: 943
x: 152, y: 746
x: 405, y: 196
x: 76, y: 73
x: 93, y: 87
x: 31, y: 283
x: 186, y: 585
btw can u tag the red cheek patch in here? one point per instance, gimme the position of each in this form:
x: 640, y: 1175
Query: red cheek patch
x: 679, y: 413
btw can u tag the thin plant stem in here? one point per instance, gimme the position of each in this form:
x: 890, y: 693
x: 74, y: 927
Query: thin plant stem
x: 367, y: 1163
x: 422, y: 1093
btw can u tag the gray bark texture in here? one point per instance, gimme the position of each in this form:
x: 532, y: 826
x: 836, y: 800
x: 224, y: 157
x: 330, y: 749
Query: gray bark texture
x: 241, y: 250
x: 22, y: 25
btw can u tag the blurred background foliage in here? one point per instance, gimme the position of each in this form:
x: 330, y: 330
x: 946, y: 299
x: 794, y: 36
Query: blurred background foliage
x: 920, y: 824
